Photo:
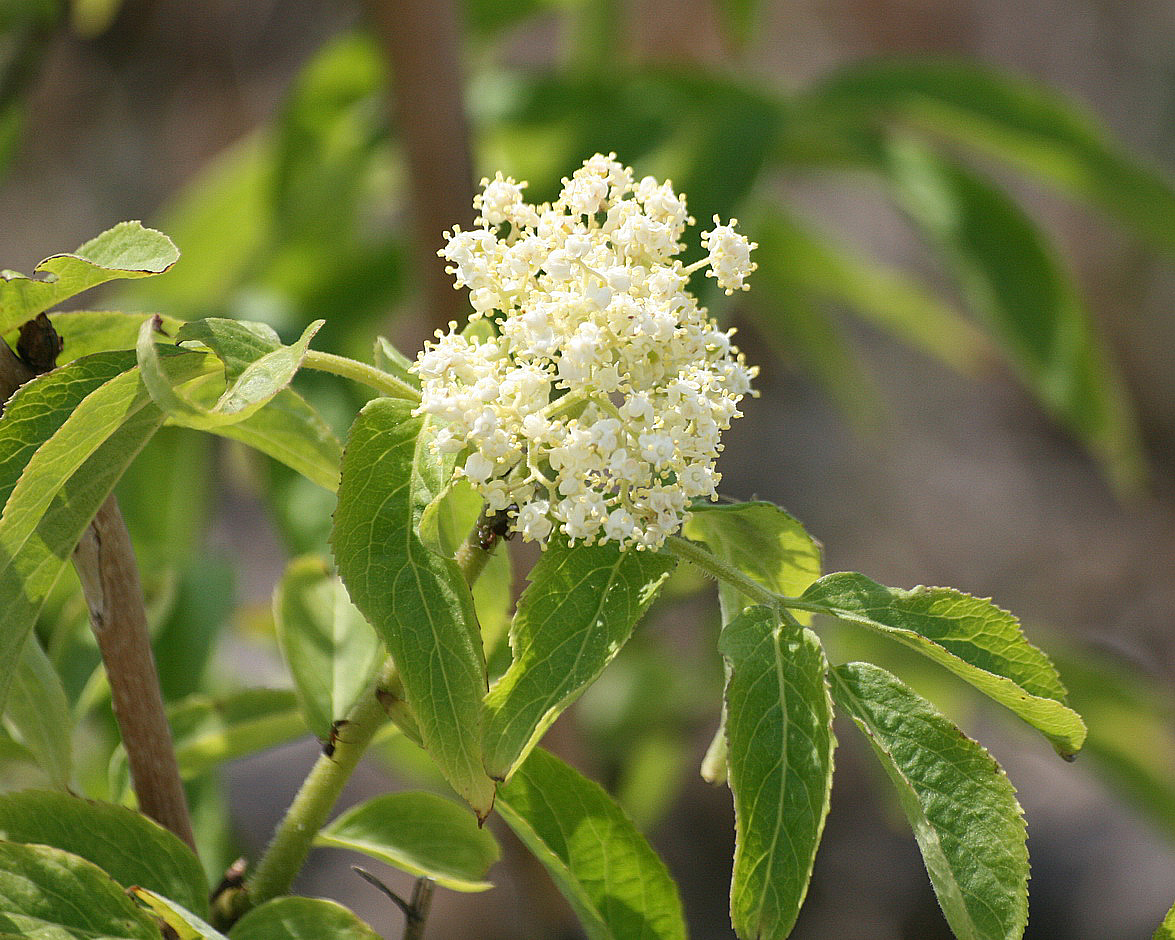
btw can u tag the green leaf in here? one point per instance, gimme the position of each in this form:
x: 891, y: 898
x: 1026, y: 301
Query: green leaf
x: 959, y: 802
x: 763, y: 542
x: 210, y: 731
x: 793, y: 257
x: 493, y: 599
x: 301, y: 919
x: 448, y: 519
x: 254, y: 372
x: 1166, y: 930
x: 767, y: 545
x: 1011, y: 275
x: 779, y: 755
x: 45, y: 892
x: 256, y: 409
x: 290, y: 430
x: 38, y: 409
x: 236, y: 343
x: 618, y: 887
x: 970, y: 636
x: 579, y: 610
x: 391, y: 360
x: 38, y: 710
x: 331, y: 651
x: 56, y: 469
x: 1014, y: 119
x: 417, y: 600
x: 185, y: 924
x: 420, y: 833
x: 126, y: 251
x: 128, y: 846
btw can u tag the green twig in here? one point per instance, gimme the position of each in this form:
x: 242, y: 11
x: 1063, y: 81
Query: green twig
x: 382, y: 382
x: 703, y: 558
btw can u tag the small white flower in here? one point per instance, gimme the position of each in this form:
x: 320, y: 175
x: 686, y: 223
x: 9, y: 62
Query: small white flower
x: 729, y: 256
x: 478, y: 468
x: 598, y: 405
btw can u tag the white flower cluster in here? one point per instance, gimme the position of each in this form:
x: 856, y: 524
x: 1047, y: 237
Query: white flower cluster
x: 590, y: 391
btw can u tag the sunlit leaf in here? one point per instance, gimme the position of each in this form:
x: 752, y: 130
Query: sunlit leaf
x: 185, y: 924
x: 612, y: 878
x: 1166, y: 930
x: 970, y: 636
x: 125, y: 844
x: 779, y: 755
x: 420, y: 833
x: 58, y: 463
x: 416, y: 599
x: 254, y: 372
x: 126, y: 251
x: 763, y: 542
x: 580, y: 608
x: 959, y: 802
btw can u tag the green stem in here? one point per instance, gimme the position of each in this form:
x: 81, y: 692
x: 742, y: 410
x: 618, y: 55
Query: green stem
x: 360, y: 372
x: 286, y: 853
x: 710, y: 563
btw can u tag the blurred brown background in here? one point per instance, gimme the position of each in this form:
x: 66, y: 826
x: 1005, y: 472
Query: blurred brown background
x: 966, y: 483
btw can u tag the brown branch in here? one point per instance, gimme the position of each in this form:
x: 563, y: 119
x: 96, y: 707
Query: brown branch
x: 422, y: 43
x: 105, y: 563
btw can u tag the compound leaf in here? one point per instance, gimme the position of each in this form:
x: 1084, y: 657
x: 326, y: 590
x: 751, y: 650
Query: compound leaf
x: 56, y: 469
x: 763, y: 542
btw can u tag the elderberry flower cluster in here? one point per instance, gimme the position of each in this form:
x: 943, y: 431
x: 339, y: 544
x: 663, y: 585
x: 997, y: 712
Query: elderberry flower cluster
x: 590, y: 390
